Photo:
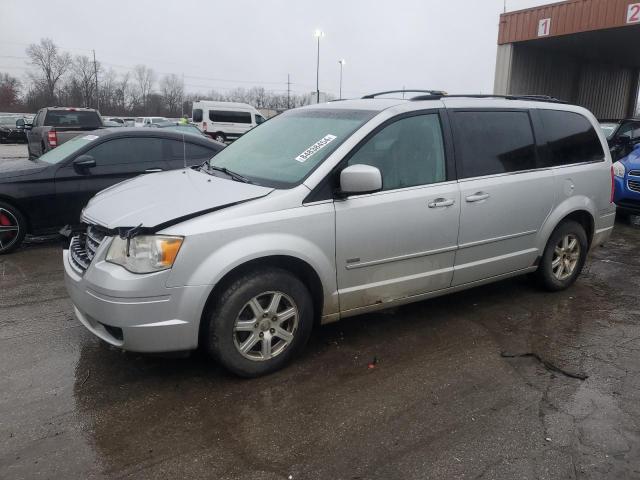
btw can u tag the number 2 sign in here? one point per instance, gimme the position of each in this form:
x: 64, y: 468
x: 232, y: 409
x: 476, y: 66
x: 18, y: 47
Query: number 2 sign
x: 544, y: 27
x: 633, y: 13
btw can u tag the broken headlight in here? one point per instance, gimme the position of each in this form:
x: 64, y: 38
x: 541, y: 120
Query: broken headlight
x: 145, y: 253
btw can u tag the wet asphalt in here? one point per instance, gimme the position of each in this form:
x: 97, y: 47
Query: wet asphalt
x: 475, y: 385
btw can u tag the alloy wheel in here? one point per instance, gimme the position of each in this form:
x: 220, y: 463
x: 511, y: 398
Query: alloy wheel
x: 265, y: 326
x: 565, y: 257
x: 9, y: 229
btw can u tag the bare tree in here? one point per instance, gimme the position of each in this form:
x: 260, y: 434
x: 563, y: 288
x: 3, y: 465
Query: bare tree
x: 123, y: 101
x: 51, y: 65
x: 172, y: 91
x: 9, y: 92
x: 85, y: 74
x: 145, y: 78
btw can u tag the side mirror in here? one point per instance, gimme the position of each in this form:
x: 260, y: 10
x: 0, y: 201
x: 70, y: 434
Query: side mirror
x: 28, y: 126
x: 84, y: 162
x: 20, y: 122
x: 360, y: 179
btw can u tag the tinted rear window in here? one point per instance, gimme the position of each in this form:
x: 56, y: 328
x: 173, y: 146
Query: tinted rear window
x: 571, y: 138
x: 229, y: 116
x: 71, y: 119
x: 197, y: 115
x: 492, y: 142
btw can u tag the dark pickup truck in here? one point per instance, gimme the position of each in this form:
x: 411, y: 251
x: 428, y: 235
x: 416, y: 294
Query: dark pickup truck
x: 52, y: 126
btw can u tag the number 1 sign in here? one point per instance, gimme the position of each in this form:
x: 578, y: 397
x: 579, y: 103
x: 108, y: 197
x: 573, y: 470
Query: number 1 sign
x: 633, y: 13
x: 544, y: 26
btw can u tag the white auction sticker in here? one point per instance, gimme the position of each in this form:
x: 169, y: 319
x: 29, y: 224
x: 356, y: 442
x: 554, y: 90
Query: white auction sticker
x: 89, y: 137
x: 319, y: 145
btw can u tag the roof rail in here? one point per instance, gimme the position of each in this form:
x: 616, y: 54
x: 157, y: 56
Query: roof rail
x: 430, y: 92
x: 533, y: 98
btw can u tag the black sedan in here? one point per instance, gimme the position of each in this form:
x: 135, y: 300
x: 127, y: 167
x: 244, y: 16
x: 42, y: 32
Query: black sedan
x: 40, y: 196
x: 12, y: 129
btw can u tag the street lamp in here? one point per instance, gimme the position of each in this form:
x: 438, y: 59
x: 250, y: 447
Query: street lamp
x: 318, y: 34
x: 342, y: 62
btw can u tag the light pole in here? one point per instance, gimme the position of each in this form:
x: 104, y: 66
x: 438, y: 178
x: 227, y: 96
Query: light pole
x: 342, y: 62
x: 318, y: 34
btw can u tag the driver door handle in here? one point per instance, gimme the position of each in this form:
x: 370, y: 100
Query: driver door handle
x: 441, y: 202
x: 153, y: 170
x: 477, y: 197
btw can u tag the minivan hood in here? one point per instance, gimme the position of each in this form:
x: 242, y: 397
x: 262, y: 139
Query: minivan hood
x: 158, y: 200
x: 11, y: 168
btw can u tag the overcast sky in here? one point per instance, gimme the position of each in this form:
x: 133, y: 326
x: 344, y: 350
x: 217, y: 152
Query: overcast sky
x: 440, y: 44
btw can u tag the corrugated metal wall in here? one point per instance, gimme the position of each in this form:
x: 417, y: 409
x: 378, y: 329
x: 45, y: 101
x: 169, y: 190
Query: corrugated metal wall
x: 609, y: 91
x: 566, y: 18
x: 596, y: 84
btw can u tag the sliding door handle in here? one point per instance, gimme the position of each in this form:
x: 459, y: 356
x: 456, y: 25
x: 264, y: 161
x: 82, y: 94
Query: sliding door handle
x: 477, y: 197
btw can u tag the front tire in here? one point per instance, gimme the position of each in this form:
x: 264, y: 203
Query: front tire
x: 13, y: 228
x: 260, y: 322
x: 563, y: 257
x: 219, y: 137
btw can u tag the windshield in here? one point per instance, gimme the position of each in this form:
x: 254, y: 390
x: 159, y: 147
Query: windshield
x: 63, y: 151
x: 283, y: 151
x: 608, y: 129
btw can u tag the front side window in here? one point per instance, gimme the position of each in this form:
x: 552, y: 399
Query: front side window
x: 229, y: 116
x: 408, y: 152
x: 127, y: 151
x: 493, y: 142
x: 571, y: 138
x: 259, y: 119
x: 280, y: 153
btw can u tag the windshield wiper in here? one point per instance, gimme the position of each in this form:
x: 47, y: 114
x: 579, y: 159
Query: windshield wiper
x: 235, y: 176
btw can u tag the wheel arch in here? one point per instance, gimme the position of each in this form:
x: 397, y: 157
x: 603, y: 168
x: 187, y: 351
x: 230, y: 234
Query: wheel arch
x: 578, y: 210
x: 298, y: 267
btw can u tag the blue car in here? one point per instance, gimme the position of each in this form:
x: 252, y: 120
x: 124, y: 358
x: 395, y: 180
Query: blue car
x: 626, y: 173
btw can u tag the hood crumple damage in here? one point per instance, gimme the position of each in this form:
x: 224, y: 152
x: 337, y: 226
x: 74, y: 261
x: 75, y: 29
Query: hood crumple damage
x: 162, y: 199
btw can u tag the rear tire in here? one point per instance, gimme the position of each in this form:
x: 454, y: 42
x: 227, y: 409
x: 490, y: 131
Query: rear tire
x: 563, y: 257
x: 260, y: 322
x: 13, y: 228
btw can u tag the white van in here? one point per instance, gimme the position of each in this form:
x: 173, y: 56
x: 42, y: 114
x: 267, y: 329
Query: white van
x: 224, y: 121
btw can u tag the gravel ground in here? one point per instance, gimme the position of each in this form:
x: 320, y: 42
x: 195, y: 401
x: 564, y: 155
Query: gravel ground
x: 13, y: 150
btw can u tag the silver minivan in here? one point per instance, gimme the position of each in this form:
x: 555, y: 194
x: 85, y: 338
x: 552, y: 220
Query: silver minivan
x: 333, y: 210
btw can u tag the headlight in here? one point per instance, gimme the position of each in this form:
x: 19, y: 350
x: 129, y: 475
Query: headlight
x: 146, y: 253
x: 618, y: 169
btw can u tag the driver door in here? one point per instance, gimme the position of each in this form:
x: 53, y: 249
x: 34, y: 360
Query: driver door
x: 401, y: 241
x: 116, y: 160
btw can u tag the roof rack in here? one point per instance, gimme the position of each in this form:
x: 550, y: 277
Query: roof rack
x: 533, y: 98
x: 429, y: 92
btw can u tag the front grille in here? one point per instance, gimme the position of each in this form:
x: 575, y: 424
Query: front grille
x: 634, y: 185
x: 82, y: 248
x: 634, y: 173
